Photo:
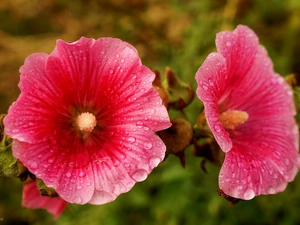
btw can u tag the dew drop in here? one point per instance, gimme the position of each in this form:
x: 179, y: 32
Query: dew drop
x: 289, y: 92
x: 249, y: 194
x: 228, y: 43
x: 217, y: 128
x: 210, y: 82
x: 131, y: 139
x: 116, y: 163
x: 77, y: 200
x: 15, y: 131
x: 286, y: 161
x: 79, y: 187
x: 139, y: 124
x: 153, y: 162
x: 50, y: 160
x: 139, y: 175
x: 205, y: 87
x: 240, y: 164
x: 45, y: 166
x: 101, y: 197
x: 82, y: 174
x: 68, y: 174
x: 88, y: 184
x: 271, y: 190
x: 110, y: 71
x: 147, y: 145
x: 126, y: 165
x: 32, y: 164
x: 122, y: 60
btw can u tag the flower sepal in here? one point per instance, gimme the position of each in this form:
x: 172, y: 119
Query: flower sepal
x: 232, y: 201
x: 177, y: 138
x: 8, y: 163
x: 44, y: 190
x: 181, y: 93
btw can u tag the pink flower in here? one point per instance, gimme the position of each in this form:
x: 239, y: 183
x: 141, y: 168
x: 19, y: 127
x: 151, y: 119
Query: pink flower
x: 32, y: 199
x: 86, y: 118
x: 249, y: 109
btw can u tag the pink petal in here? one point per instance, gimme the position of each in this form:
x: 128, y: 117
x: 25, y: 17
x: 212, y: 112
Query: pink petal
x: 211, y: 78
x: 32, y: 199
x: 264, y: 155
x: 105, y: 77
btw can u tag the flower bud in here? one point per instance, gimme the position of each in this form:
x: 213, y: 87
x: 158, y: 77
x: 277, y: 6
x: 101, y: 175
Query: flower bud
x: 177, y: 138
x: 181, y: 93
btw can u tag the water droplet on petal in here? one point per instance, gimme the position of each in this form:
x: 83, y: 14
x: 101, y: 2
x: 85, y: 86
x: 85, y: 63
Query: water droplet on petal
x: 205, y: 87
x: 79, y: 187
x: 147, y: 145
x: 217, y: 128
x: 210, y: 82
x: 32, y: 164
x: 139, y: 175
x: 228, y: 43
x: 101, y: 197
x: 116, y: 163
x: 240, y: 187
x: 286, y: 161
x: 68, y: 174
x: 122, y: 60
x: 77, y: 200
x: 139, y: 124
x: 15, y: 131
x: 153, y: 162
x: 82, y: 174
x: 45, y: 165
x: 271, y: 190
x: 240, y: 164
x: 249, y: 194
x: 110, y: 71
x: 131, y: 139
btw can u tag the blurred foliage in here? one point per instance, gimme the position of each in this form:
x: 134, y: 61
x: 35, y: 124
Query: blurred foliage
x: 175, y: 33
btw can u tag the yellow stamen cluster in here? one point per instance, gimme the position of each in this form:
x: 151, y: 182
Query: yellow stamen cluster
x: 230, y: 119
x: 86, y: 122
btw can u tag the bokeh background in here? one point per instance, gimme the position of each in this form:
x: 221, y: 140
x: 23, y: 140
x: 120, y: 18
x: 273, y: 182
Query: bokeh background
x: 175, y: 33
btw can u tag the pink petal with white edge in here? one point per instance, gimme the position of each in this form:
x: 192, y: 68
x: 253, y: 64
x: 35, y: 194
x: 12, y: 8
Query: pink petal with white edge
x: 264, y: 155
x: 106, y: 78
x: 31, y: 198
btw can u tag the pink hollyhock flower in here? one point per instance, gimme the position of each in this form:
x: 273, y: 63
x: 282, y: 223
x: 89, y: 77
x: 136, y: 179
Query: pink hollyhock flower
x: 86, y: 118
x: 250, y: 111
x: 34, y: 200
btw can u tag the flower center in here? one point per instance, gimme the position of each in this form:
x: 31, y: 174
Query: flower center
x: 230, y: 119
x: 86, y: 122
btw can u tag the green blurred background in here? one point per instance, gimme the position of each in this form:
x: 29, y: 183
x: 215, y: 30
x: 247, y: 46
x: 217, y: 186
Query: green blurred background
x: 174, y: 33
